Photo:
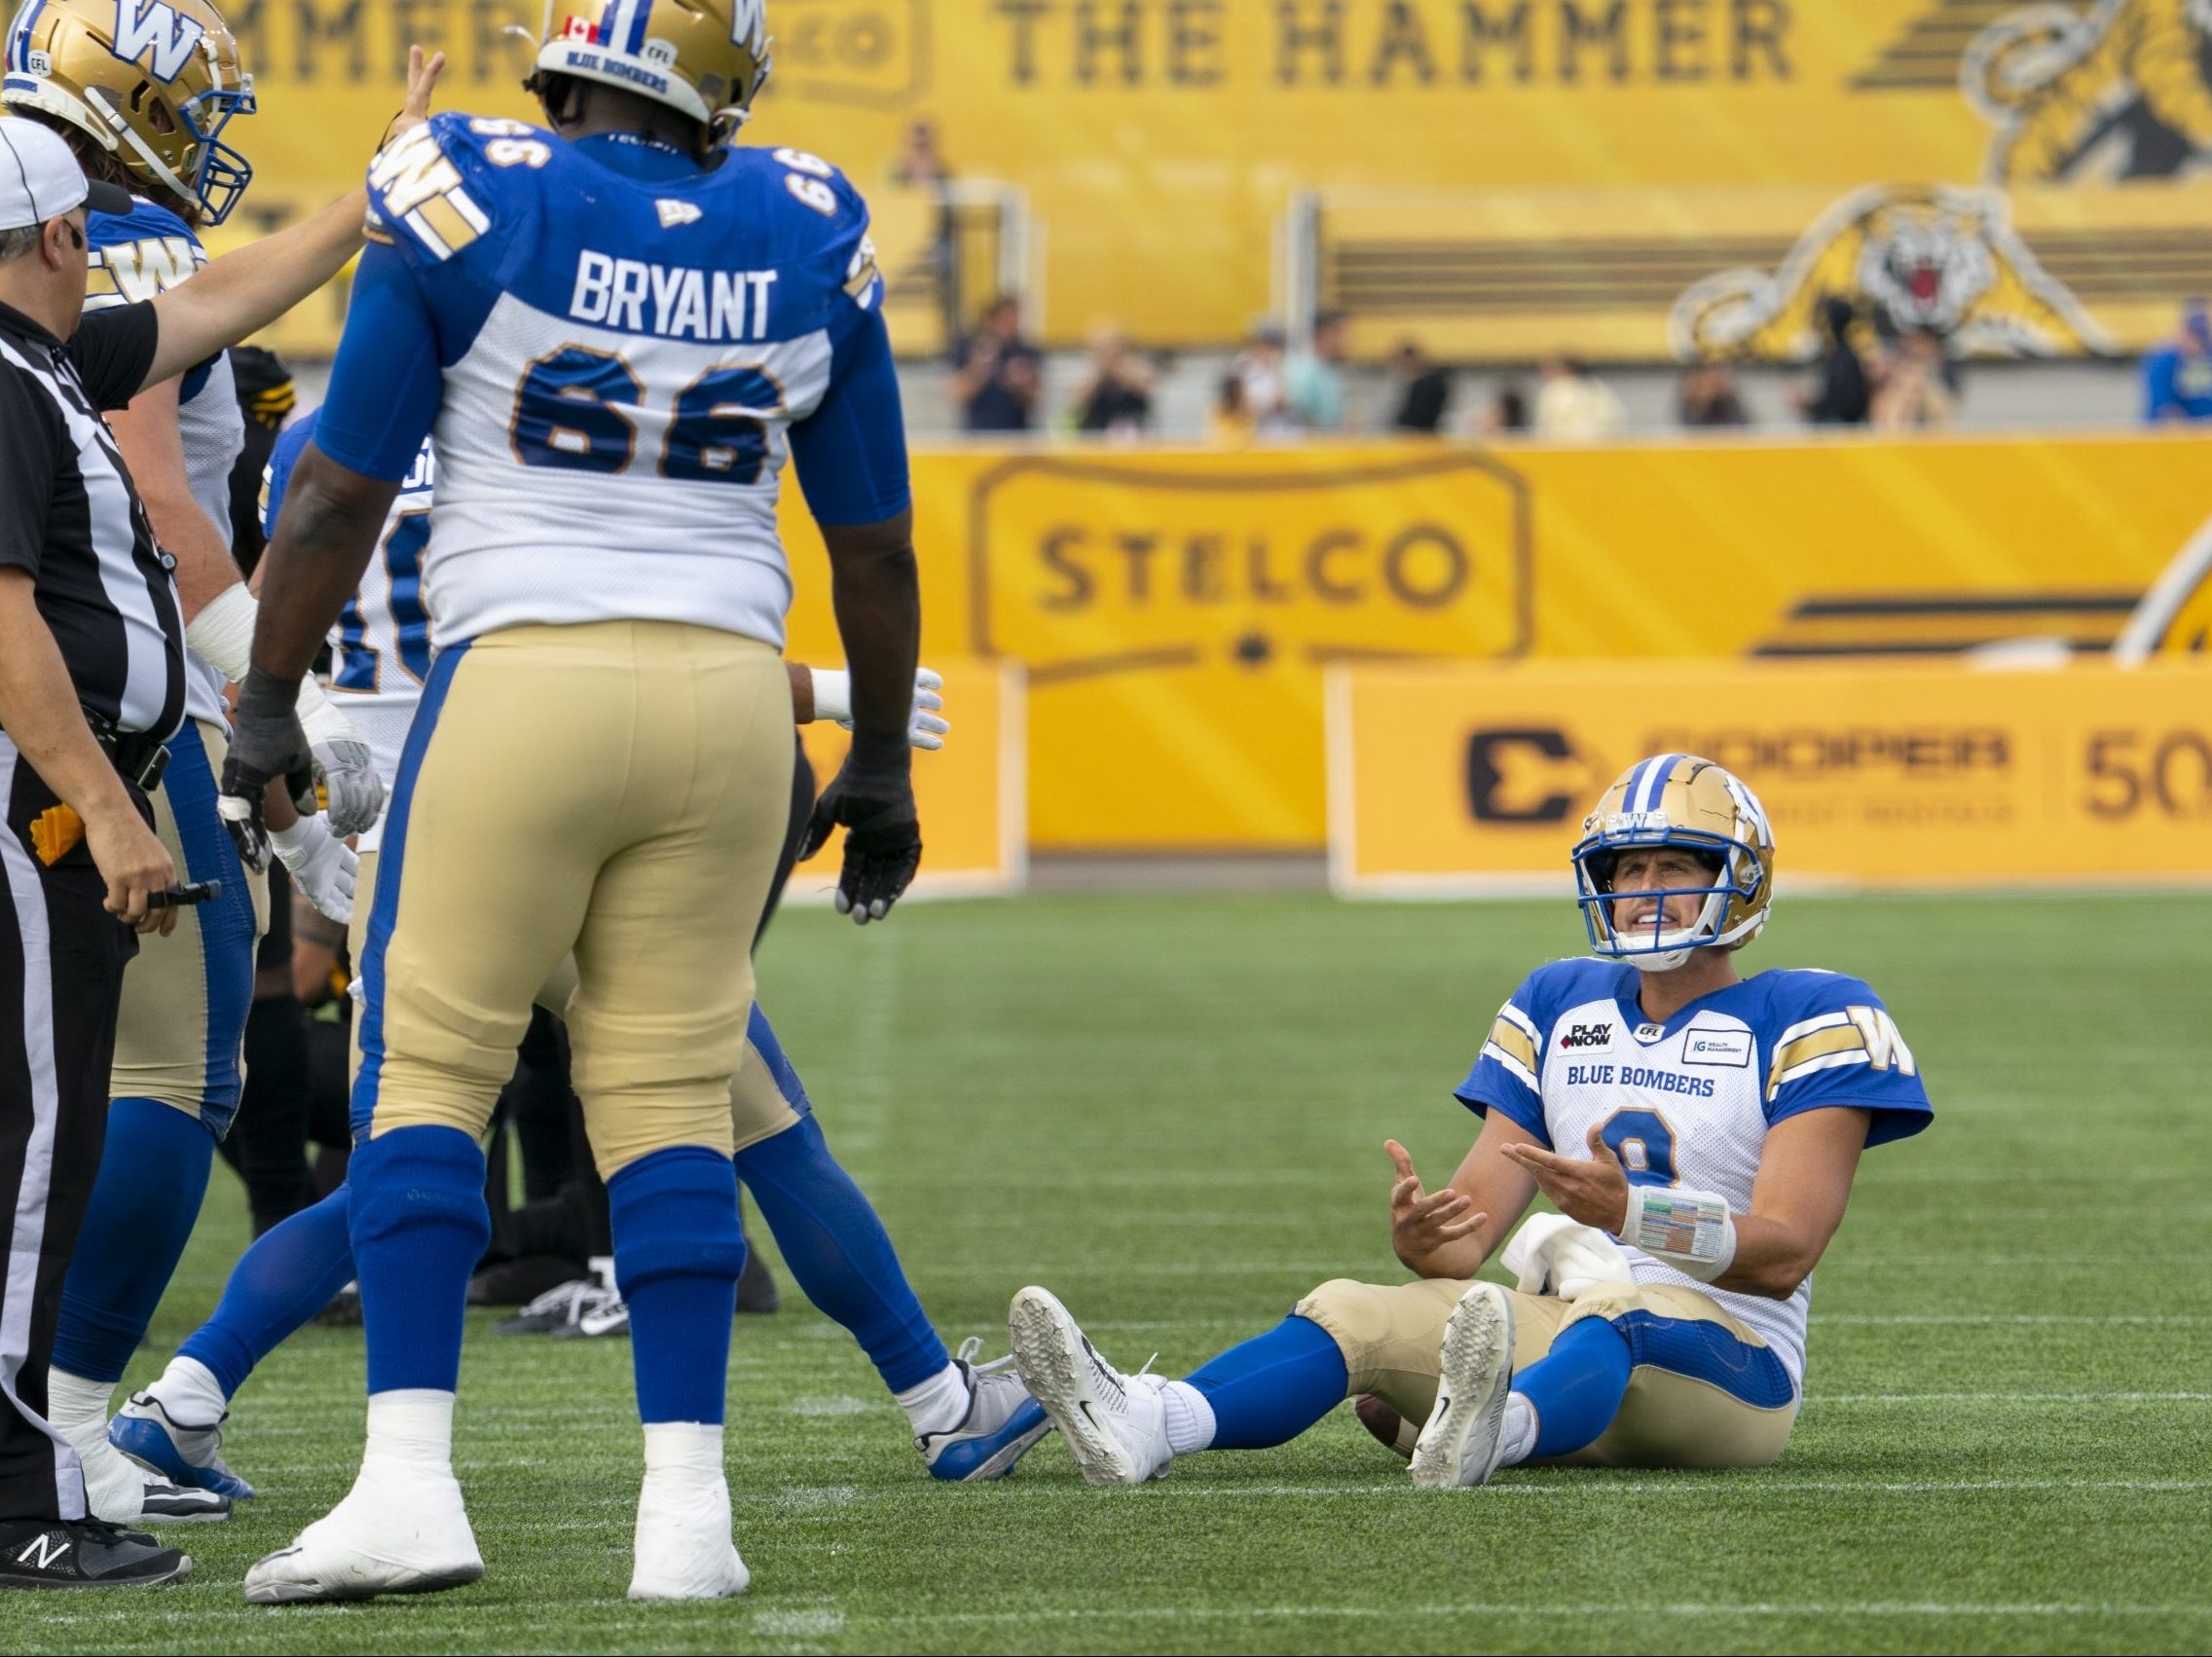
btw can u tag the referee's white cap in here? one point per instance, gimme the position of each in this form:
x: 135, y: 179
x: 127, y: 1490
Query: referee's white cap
x: 40, y: 178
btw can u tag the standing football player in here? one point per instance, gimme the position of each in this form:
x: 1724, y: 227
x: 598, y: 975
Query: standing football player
x: 615, y: 331
x: 143, y: 94
x: 971, y: 1421
x: 1700, y: 1131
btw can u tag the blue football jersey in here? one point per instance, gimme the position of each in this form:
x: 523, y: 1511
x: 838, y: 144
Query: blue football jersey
x: 627, y: 346
x: 1690, y: 1101
x: 135, y: 256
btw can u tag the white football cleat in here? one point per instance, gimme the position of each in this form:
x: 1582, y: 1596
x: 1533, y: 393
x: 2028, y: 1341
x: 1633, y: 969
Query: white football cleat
x: 120, y: 1491
x: 683, y: 1550
x: 1460, y: 1447
x: 402, y: 1530
x: 1115, y: 1423
x: 1002, y: 1423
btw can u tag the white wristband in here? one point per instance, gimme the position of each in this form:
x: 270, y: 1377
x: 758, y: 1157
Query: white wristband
x: 1691, y: 1230
x: 832, y: 694
x: 221, y: 635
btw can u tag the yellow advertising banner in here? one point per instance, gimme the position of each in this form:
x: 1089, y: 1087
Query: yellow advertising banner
x: 1160, y: 143
x: 1175, y: 609
x: 972, y: 793
x: 1453, y: 780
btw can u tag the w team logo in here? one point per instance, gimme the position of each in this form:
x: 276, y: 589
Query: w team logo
x: 152, y: 34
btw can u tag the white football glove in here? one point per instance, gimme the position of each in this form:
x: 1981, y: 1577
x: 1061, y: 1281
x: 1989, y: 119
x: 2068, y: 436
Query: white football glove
x: 353, y: 792
x: 221, y: 635
x: 834, y: 700
x: 322, y: 865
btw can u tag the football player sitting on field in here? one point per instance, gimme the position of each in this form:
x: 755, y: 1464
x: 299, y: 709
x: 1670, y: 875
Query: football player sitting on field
x: 1698, y: 1132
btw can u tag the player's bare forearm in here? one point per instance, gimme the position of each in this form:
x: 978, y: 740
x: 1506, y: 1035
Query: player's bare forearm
x: 875, y: 589
x: 324, y: 539
x: 243, y: 292
x: 38, y: 707
x: 1797, y: 1202
x: 146, y: 432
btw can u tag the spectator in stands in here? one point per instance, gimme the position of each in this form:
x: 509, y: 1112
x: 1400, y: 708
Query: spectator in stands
x: 1915, y: 394
x: 1508, y: 410
x: 1315, y: 379
x: 1841, y: 392
x: 998, y: 372
x: 1424, y: 390
x: 1115, y: 400
x: 1230, y: 421
x: 921, y: 164
x: 2177, y: 377
x: 1265, y: 399
x: 1575, y: 406
x: 1708, y: 397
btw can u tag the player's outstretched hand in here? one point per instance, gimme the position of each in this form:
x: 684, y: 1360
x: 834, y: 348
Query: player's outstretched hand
x: 1422, y: 1224
x: 266, y: 743
x: 872, y: 800
x: 422, y: 72
x: 1591, y: 1191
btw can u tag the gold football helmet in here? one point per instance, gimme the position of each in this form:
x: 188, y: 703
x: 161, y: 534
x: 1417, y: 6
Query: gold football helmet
x: 708, y: 58
x: 1676, y: 799
x: 152, y: 82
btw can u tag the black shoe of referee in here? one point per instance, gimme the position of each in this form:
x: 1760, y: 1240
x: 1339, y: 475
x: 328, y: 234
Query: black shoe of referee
x: 84, y: 1552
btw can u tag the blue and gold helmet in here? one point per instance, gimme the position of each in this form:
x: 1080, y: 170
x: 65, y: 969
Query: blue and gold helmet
x: 1676, y: 799
x: 708, y: 58
x: 152, y: 82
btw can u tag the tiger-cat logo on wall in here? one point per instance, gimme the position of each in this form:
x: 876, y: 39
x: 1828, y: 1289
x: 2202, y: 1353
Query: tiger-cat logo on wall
x: 2120, y: 89
x: 1931, y: 256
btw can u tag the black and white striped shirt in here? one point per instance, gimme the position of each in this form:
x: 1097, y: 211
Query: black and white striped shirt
x: 71, y: 515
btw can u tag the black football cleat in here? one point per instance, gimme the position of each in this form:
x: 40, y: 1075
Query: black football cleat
x: 85, y: 1553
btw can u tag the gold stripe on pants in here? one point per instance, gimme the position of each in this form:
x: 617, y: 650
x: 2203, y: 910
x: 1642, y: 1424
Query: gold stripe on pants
x: 619, y: 791
x: 1392, y: 1336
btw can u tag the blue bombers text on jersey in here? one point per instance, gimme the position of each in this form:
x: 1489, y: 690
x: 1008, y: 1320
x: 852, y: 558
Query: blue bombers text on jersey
x: 1691, y: 1100
x: 132, y: 257
x: 614, y: 348
x: 380, y: 646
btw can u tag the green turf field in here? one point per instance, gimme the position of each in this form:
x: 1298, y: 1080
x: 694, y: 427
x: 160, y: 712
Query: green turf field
x: 1170, y: 1112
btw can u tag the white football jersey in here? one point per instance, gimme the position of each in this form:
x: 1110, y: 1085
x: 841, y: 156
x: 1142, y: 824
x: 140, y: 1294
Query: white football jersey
x: 135, y: 256
x: 1690, y: 1101
x: 622, y: 361
x: 380, y: 649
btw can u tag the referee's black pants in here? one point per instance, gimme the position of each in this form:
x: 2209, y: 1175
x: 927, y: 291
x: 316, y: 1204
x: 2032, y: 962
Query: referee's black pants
x: 61, y: 961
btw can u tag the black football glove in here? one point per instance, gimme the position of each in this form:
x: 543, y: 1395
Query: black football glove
x: 266, y: 743
x: 872, y: 800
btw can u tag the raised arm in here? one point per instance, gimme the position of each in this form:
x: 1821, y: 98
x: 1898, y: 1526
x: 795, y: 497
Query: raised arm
x: 242, y: 292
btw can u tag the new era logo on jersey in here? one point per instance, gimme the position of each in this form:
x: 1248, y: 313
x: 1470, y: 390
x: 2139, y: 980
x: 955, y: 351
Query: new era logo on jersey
x: 1586, y: 1036
x: 674, y: 213
x: 1717, y: 1046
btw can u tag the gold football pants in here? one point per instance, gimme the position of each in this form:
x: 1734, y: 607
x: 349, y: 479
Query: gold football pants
x: 1392, y: 1336
x: 618, y: 791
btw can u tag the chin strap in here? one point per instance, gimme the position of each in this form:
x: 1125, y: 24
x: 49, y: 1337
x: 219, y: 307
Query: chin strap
x: 1691, y: 1230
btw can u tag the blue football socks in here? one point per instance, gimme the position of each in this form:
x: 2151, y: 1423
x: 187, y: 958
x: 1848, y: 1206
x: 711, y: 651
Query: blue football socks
x: 837, y: 1249
x: 1576, y: 1389
x: 1273, y: 1386
x: 289, y: 1275
x: 677, y: 1253
x: 153, y: 1175
x: 419, y: 1226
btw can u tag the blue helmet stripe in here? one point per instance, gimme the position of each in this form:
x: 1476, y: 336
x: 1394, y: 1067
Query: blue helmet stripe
x: 19, y: 43
x: 1635, y: 778
x: 1655, y: 777
x: 640, y: 10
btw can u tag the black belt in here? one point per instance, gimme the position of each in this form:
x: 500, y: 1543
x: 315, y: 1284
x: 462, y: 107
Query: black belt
x: 141, y: 755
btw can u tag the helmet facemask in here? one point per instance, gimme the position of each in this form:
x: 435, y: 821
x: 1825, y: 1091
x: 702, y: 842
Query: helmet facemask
x: 1737, y: 877
x: 210, y: 174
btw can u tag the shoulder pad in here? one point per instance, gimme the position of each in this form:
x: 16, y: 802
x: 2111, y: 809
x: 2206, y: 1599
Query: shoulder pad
x: 135, y: 255
x: 435, y: 190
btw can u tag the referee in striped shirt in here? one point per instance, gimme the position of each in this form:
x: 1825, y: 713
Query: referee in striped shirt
x: 91, y: 684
